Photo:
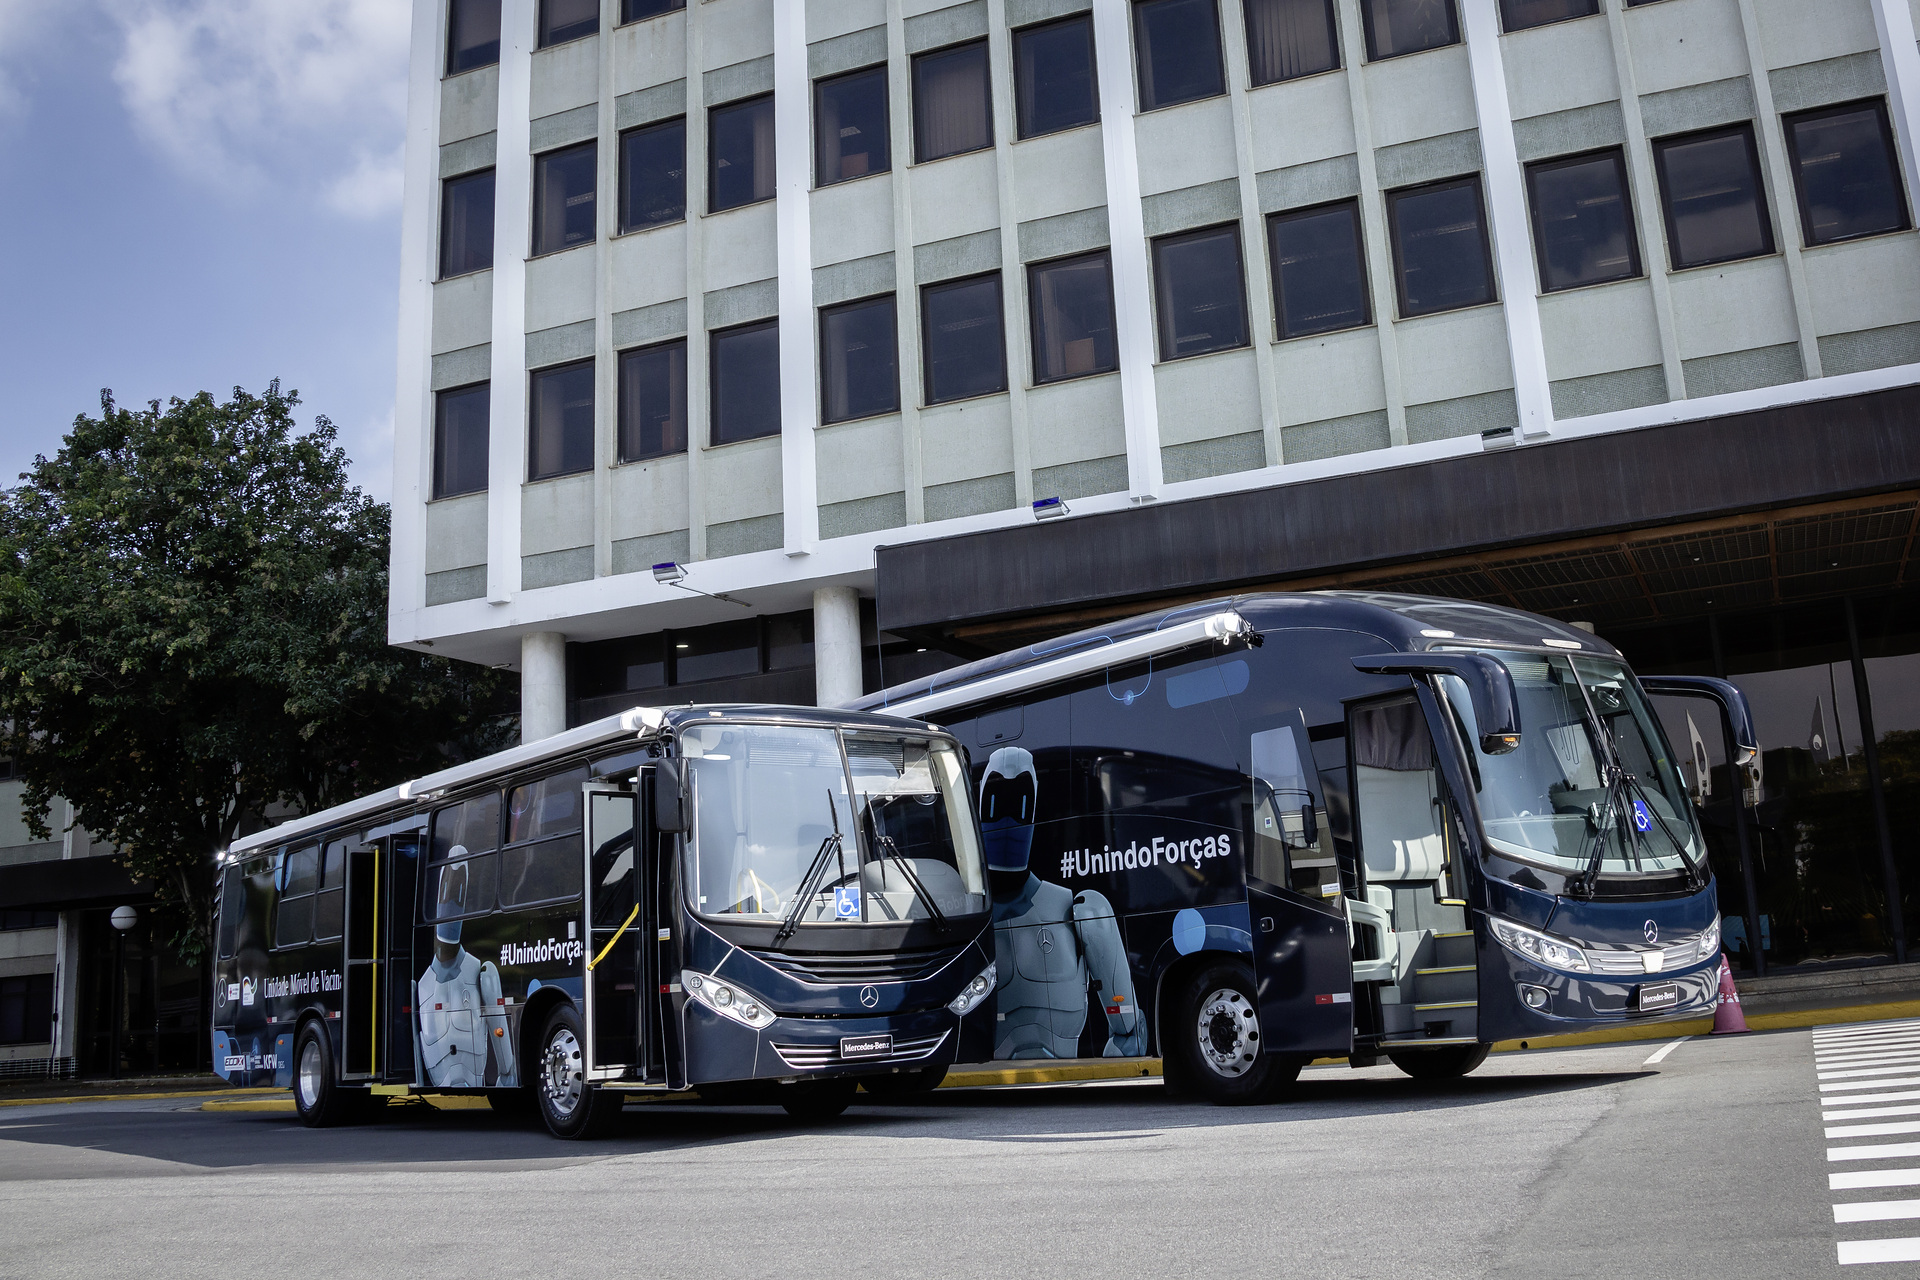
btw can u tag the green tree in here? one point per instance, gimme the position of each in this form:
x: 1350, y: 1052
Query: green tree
x: 193, y: 604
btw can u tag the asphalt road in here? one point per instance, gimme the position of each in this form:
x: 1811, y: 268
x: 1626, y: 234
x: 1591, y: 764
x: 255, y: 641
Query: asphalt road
x: 1561, y: 1164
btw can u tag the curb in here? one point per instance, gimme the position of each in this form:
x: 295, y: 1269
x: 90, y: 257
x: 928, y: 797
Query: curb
x: 285, y: 1103
x: 1703, y: 1026
x: 1124, y: 1069
x: 131, y: 1097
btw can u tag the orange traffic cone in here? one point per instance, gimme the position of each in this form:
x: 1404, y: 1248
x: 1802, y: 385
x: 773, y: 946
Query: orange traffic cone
x: 1727, y: 1018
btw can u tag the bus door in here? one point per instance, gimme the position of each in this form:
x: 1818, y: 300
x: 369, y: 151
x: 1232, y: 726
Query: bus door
x: 1305, y: 990
x: 360, y: 1009
x: 398, y: 894
x: 618, y: 919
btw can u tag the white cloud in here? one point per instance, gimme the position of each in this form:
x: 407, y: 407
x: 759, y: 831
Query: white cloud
x: 307, y: 95
x: 22, y: 24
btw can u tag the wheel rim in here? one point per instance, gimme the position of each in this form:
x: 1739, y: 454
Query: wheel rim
x: 313, y: 1074
x: 1228, y: 1031
x: 562, y: 1082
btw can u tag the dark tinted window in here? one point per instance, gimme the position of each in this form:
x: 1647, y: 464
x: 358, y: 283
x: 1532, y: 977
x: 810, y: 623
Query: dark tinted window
x: 653, y: 175
x: 547, y: 808
x: 952, y: 107
x: 26, y: 1009
x: 1072, y: 317
x: 1710, y: 190
x: 466, y: 223
x: 640, y: 10
x: 717, y: 652
x: 653, y: 401
x: 563, y: 198
x: 233, y: 905
x: 473, y: 34
x: 1845, y: 173
x: 561, y: 438
x: 563, y: 20
x: 1518, y: 15
x: 40, y: 918
x: 963, y: 343
x: 460, y: 439
x: 1288, y: 38
x: 740, y: 153
x: 1053, y: 82
x: 1582, y: 220
x: 472, y: 826
x: 790, y: 641
x: 1176, y: 47
x: 859, y: 360
x: 745, y: 382
x: 1395, y: 27
x: 850, y: 126
x: 1440, y: 247
x: 1199, y: 292
x: 329, y: 905
x: 1319, y: 270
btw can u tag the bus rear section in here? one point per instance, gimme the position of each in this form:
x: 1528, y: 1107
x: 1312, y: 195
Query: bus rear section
x: 763, y: 904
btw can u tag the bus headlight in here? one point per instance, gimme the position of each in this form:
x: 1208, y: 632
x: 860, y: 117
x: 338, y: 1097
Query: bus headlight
x: 974, y: 992
x: 1709, y: 941
x: 1543, y: 949
x: 727, y: 1001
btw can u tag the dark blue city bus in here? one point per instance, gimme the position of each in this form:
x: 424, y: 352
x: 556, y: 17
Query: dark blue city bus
x: 764, y: 904
x: 1251, y: 832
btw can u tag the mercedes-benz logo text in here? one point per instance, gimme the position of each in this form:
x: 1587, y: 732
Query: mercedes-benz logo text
x: 1652, y: 931
x: 869, y: 996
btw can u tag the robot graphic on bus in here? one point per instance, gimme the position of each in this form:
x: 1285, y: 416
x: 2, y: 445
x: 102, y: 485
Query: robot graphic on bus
x: 464, y: 1038
x: 1050, y: 941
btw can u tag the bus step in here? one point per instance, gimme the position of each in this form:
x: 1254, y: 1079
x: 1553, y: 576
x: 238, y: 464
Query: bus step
x: 1446, y: 968
x: 1428, y: 1042
x: 1458, y: 933
x: 1447, y: 1004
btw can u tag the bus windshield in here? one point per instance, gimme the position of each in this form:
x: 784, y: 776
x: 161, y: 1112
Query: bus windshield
x: 814, y: 825
x: 1548, y: 802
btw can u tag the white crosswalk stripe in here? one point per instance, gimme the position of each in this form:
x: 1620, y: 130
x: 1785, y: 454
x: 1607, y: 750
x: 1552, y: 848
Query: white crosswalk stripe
x: 1859, y: 1068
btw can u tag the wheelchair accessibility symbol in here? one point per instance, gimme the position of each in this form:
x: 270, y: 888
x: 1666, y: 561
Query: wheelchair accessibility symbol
x: 846, y: 902
x: 1642, y: 819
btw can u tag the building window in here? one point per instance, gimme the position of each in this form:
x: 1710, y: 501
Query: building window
x: 28, y: 918
x: 1845, y: 172
x: 653, y: 401
x: 653, y: 175
x: 717, y: 652
x: 740, y: 143
x: 1072, y: 317
x: 1396, y: 27
x: 1440, y: 256
x: 859, y: 360
x: 466, y: 224
x: 1199, y: 292
x: 563, y: 198
x: 1518, y: 15
x: 641, y: 10
x: 26, y: 1009
x: 1290, y: 38
x: 564, y: 20
x: 1053, y: 84
x: 850, y: 126
x: 1582, y: 220
x: 1710, y: 190
x: 473, y: 34
x: 461, y: 439
x: 952, y: 103
x: 1176, y: 49
x: 560, y: 440
x: 963, y: 339
x: 744, y: 379
x: 1319, y: 270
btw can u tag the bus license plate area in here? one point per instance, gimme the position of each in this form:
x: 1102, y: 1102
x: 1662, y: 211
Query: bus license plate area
x: 853, y: 1048
x: 1654, y: 996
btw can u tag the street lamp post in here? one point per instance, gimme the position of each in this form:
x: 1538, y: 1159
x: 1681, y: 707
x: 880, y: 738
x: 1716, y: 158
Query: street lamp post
x: 122, y: 919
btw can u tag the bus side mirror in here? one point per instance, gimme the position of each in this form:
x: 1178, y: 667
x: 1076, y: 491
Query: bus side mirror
x: 1309, y: 827
x: 669, y: 797
x: 1495, y: 705
x: 1732, y: 702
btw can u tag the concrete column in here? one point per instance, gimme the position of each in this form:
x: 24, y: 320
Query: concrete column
x: 543, y: 685
x: 837, y: 678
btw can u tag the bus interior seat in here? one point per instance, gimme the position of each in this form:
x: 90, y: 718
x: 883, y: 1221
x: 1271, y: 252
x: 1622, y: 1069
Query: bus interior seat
x: 1399, y: 826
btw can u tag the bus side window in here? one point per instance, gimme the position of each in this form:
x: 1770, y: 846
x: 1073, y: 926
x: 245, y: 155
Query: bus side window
x: 460, y: 883
x: 293, y: 917
x: 1291, y: 843
x: 541, y: 860
x: 233, y: 904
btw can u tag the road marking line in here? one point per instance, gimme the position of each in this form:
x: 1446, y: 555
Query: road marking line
x: 1878, y: 1151
x: 1869, y: 1111
x: 1906, y: 1250
x: 1868, y: 1084
x: 1869, y: 1037
x: 1849, y: 1028
x: 1872, y: 1055
x: 1872, y: 1130
x: 1908, y: 1095
x: 1856, y: 1072
x: 1865, y: 1178
x: 1876, y: 1210
x: 1660, y: 1054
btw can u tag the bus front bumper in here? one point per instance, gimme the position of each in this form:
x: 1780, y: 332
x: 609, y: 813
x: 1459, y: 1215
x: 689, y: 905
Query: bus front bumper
x: 817, y: 1048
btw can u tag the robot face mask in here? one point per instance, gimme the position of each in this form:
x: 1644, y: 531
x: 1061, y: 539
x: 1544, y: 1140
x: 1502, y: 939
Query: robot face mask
x: 1008, y: 791
x: 452, y: 898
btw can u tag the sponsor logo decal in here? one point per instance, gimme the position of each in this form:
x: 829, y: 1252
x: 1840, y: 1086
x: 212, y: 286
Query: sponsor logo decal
x: 1141, y: 855
x: 303, y: 984
x: 246, y: 991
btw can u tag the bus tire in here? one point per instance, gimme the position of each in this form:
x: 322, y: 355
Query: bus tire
x: 905, y: 1083
x: 1215, y: 1037
x: 317, y: 1096
x: 1446, y: 1062
x: 817, y: 1099
x: 571, y: 1105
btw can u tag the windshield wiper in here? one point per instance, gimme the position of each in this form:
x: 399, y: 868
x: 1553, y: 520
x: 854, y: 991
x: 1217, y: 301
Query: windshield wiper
x: 1694, y: 879
x: 832, y: 844
x: 888, y: 849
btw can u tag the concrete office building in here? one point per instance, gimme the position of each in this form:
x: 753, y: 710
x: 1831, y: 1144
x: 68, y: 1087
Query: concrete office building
x: 1604, y: 308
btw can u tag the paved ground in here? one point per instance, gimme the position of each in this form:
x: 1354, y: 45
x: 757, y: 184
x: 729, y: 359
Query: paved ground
x: 1713, y: 1161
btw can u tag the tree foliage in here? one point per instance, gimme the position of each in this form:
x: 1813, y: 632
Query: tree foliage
x: 193, y: 605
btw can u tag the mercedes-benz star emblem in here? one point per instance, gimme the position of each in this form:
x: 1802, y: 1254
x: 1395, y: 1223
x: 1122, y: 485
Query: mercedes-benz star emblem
x: 869, y: 996
x: 1652, y: 931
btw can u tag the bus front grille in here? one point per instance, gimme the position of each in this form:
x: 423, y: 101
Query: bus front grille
x: 857, y: 969
x: 809, y: 1056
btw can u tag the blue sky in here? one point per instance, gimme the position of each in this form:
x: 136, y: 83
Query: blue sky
x: 199, y: 194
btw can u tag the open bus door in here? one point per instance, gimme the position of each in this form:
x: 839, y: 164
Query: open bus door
x: 360, y: 1009
x: 619, y: 921
x: 376, y: 1033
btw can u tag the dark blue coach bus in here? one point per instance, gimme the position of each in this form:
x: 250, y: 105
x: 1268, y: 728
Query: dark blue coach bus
x: 762, y: 903
x: 1250, y: 832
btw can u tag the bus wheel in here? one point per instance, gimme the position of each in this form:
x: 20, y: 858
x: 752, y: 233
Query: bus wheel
x: 818, y: 1099
x: 319, y: 1100
x: 1444, y: 1063
x: 569, y: 1102
x: 1217, y: 1037
x: 905, y: 1083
